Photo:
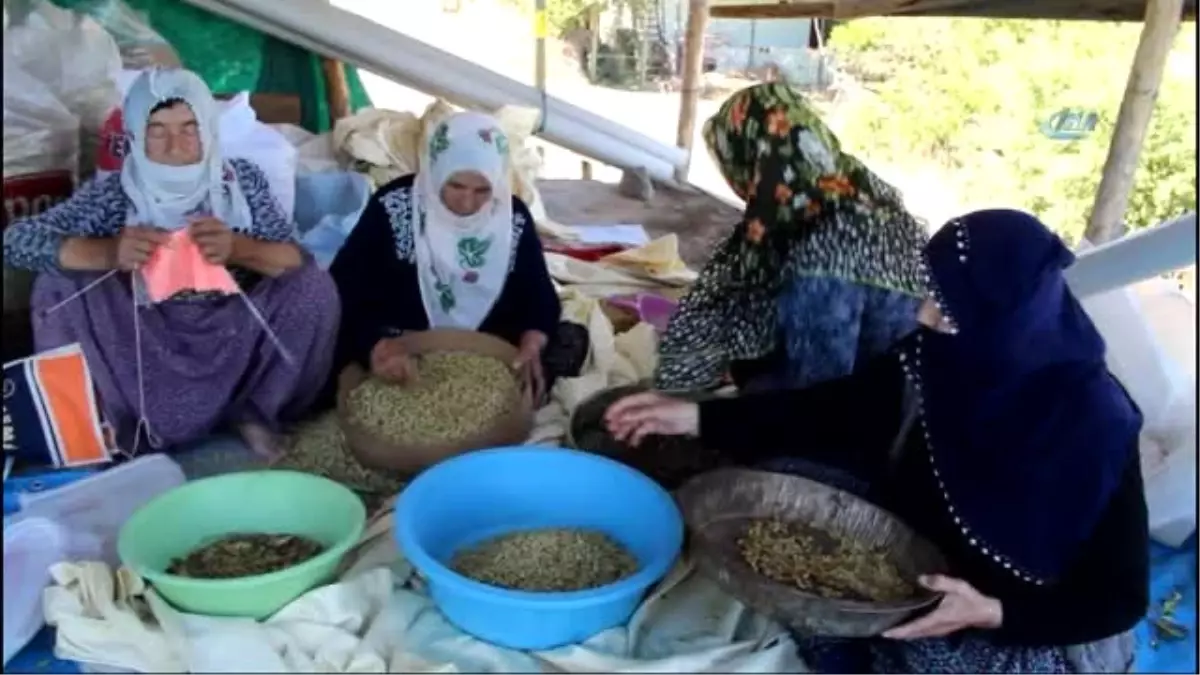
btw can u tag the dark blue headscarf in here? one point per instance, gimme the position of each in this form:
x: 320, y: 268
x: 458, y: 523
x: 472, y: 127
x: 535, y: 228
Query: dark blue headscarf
x: 1029, y: 432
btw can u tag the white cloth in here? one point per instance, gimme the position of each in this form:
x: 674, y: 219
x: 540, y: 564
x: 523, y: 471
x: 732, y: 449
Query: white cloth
x: 377, y: 619
x: 162, y: 195
x: 462, y: 261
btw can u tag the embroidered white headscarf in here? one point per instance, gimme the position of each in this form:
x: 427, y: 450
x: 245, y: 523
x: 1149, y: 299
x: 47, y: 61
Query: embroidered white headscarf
x: 163, y: 195
x: 462, y: 261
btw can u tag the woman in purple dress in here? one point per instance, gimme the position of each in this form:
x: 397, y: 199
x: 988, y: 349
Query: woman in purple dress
x: 177, y: 370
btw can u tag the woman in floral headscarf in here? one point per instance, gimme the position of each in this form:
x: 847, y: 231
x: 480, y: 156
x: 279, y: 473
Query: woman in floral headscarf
x: 821, y: 274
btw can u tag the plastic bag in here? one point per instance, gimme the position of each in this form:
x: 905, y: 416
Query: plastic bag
x: 76, y: 59
x: 41, y: 162
x: 242, y: 135
x: 92, y: 510
x: 314, y: 154
x: 1164, y: 389
x: 31, y: 547
x: 140, y: 45
x: 328, y: 206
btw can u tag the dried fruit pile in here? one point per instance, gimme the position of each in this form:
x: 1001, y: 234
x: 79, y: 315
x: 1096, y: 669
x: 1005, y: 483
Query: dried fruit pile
x: 245, y: 555
x: 455, y: 395
x: 820, y: 562
x: 546, y: 560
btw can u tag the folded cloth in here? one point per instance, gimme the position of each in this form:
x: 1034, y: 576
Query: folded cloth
x: 374, y: 621
x: 106, y: 619
x: 614, y: 359
x: 115, y: 621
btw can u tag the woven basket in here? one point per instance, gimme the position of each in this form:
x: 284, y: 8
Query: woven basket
x: 510, y: 428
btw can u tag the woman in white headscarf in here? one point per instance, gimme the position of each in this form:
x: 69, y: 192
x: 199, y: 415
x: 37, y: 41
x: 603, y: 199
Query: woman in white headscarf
x: 449, y: 247
x: 173, y: 371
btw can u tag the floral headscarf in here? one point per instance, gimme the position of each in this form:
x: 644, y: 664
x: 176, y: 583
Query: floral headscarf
x: 811, y: 209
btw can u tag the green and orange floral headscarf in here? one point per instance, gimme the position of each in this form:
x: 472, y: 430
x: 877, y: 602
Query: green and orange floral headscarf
x: 811, y: 209
x: 777, y: 155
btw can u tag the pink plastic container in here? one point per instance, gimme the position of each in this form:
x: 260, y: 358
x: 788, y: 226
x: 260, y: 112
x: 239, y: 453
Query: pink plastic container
x: 652, y: 308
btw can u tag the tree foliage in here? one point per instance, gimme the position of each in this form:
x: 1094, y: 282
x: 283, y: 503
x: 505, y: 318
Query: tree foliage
x: 563, y: 16
x: 973, y: 94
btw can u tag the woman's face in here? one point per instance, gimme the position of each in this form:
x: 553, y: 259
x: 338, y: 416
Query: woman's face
x: 173, y: 136
x: 931, y: 316
x: 465, y: 192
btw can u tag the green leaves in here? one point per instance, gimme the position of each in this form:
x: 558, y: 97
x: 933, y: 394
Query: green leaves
x: 971, y: 94
x: 472, y: 251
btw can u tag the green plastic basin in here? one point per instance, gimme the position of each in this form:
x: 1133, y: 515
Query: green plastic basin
x: 285, y: 502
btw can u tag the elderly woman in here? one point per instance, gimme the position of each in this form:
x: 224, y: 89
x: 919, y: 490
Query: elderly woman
x: 820, y: 275
x: 178, y: 369
x: 448, y: 247
x: 998, y: 433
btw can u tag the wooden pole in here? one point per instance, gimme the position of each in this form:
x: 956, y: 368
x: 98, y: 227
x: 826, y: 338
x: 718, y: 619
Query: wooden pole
x: 643, y: 53
x: 693, y: 73
x: 539, y: 34
x: 1141, y: 92
x: 337, y: 90
x: 594, y: 43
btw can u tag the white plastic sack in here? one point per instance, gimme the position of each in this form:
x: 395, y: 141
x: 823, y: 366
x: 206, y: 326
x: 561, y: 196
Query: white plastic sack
x: 1170, y: 474
x: 40, y: 133
x: 328, y: 206
x: 242, y: 135
x: 31, y: 546
x: 75, y: 58
x: 314, y: 154
x: 41, y: 160
x: 92, y: 510
x: 1165, y: 391
x: 141, y: 46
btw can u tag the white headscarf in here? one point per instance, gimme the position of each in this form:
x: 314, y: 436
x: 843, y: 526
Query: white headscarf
x: 462, y: 261
x: 162, y: 195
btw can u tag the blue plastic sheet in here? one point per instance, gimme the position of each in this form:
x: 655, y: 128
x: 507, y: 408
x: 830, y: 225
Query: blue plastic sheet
x: 1171, y: 570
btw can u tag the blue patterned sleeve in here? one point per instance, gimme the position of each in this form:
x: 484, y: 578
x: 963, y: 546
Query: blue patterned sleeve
x: 268, y: 220
x: 96, y: 210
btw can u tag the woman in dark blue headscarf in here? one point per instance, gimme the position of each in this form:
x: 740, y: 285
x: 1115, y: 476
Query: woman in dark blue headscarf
x: 995, y: 430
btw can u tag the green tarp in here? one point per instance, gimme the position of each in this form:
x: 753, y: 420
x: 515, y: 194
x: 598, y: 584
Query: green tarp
x: 232, y: 57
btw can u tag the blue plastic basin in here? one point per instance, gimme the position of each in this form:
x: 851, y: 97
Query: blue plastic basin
x: 471, y: 497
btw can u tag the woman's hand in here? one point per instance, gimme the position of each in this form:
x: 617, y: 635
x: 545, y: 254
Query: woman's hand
x: 634, y: 417
x: 136, y: 244
x: 391, y: 363
x: 961, y: 607
x: 213, y: 238
x: 528, y: 363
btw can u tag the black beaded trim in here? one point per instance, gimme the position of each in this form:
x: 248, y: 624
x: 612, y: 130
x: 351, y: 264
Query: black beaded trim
x: 911, y: 364
x: 932, y: 287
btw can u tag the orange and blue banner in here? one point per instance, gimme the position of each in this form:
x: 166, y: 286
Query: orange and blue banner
x: 51, y: 416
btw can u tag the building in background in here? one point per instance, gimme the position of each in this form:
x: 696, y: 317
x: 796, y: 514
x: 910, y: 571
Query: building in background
x: 791, y: 47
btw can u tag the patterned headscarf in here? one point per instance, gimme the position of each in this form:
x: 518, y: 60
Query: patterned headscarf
x: 811, y: 209
x: 463, y: 261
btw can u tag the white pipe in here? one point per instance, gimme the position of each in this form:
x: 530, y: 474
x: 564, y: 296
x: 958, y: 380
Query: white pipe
x: 1135, y: 257
x: 346, y: 36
